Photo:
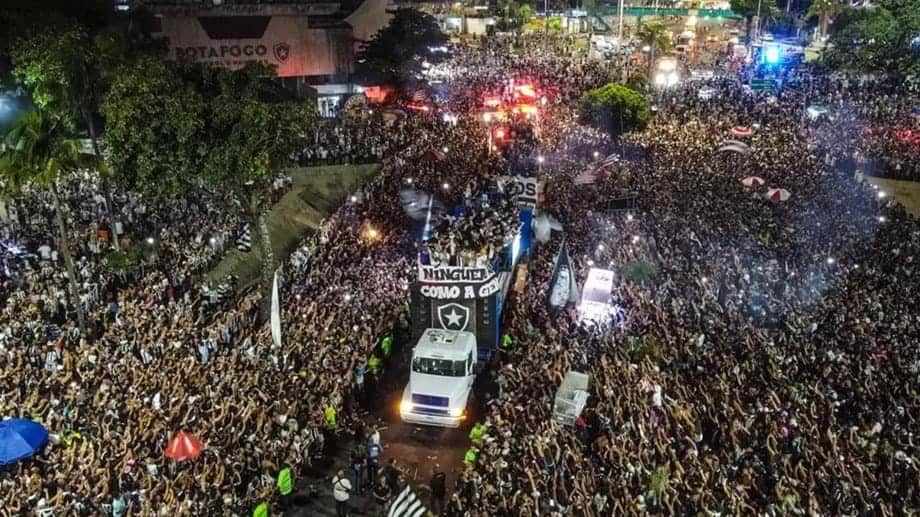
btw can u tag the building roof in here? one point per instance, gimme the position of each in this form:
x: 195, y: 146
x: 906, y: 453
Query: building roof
x: 246, y: 7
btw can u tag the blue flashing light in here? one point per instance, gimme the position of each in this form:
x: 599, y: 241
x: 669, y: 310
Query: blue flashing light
x: 771, y: 55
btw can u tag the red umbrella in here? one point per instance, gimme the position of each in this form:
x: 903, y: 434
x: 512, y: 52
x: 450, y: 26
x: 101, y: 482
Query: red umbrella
x: 183, y: 447
x: 778, y: 194
x: 753, y: 181
x: 742, y: 131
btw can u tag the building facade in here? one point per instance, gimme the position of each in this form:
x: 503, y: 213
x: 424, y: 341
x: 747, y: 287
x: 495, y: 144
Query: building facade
x: 310, y: 43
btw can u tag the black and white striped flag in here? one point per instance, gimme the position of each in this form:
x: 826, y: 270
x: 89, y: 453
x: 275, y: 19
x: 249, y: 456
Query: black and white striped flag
x: 244, y: 239
x: 407, y: 504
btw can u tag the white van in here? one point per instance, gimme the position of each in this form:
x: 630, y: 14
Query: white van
x: 441, y: 379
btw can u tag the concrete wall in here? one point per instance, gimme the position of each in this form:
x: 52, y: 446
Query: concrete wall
x: 286, y: 42
x: 368, y: 18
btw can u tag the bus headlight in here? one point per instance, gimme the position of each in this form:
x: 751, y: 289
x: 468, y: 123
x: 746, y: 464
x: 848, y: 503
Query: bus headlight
x: 455, y: 412
x: 406, y: 407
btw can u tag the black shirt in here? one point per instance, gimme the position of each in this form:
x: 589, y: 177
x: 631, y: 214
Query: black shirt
x: 438, y: 481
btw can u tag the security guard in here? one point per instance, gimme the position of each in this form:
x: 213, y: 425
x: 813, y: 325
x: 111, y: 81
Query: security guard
x: 476, y: 433
x: 285, y: 485
x: 470, y: 457
x: 506, y: 342
x: 386, y: 345
x: 373, y: 364
x: 330, y: 418
x: 261, y: 510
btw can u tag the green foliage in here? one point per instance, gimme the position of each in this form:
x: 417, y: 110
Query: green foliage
x: 640, y: 271
x: 395, y: 54
x: 824, y: 8
x: 655, y: 35
x: 614, y: 108
x: 748, y: 8
x: 250, y: 131
x: 37, y: 149
x: 53, y: 66
x: 126, y: 259
x: 539, y: 25
x: 171, y: 126
x: 155, y: 127
x: 638, y: 81
x: 876, y: 40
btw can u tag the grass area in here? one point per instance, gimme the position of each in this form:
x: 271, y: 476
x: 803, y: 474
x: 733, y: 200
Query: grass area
x: 316, y: 193
x: 906, y: 192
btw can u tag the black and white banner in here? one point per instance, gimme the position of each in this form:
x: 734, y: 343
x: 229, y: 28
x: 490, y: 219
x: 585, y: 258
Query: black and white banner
x: 524, y: 190
x: 407, y: 504
x: 454, y: 274
x: 563, y: 288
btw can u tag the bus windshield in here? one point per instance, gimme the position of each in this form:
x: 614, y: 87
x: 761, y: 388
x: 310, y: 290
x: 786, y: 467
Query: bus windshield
x: 442, y: 367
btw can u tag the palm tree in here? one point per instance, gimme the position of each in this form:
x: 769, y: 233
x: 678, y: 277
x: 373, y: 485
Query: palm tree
x: 36, y: 153
x: 825, y: 10
x: 654, y: 36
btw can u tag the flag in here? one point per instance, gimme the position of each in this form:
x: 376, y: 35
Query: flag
x: 586, y: 177
x: 563, y: 288
x: 589, y: 175
x: 276, y: 313
x: 407, y: 504
x: 244, y: 239
x: 609, y: 161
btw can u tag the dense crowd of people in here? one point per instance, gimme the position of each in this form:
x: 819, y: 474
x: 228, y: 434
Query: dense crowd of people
x: 767, y: 366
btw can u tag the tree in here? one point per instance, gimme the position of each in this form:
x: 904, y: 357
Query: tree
x: 653, y: 35
x: 155, y: 127
x: 172, y: 128
x: 252, y: 134
x: 614, y: 108
x: 876, y: 40
x: 36, y: 153
x: 824, y: 10
x: 514, y: 15
x: 396, y: 53
x: 749, y: 9
x: 63, y: 70
x: 590, y: 7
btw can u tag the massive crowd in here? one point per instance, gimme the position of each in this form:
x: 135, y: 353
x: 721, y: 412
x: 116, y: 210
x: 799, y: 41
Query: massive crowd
x: 768, y: 366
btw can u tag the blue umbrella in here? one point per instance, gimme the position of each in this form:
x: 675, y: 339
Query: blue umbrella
x: 20, y: 439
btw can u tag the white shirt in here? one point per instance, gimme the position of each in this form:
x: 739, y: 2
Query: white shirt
x: 341, y: 487
x: 44, y: 251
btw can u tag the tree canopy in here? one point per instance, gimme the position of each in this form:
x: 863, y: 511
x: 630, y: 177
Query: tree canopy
x: 615, y: 109
x: 876, y: 40
x: 37, y: 149
x: 170, y: 126
x: 748, y: 8
x: 396, y: 53
x: 60, y: 68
